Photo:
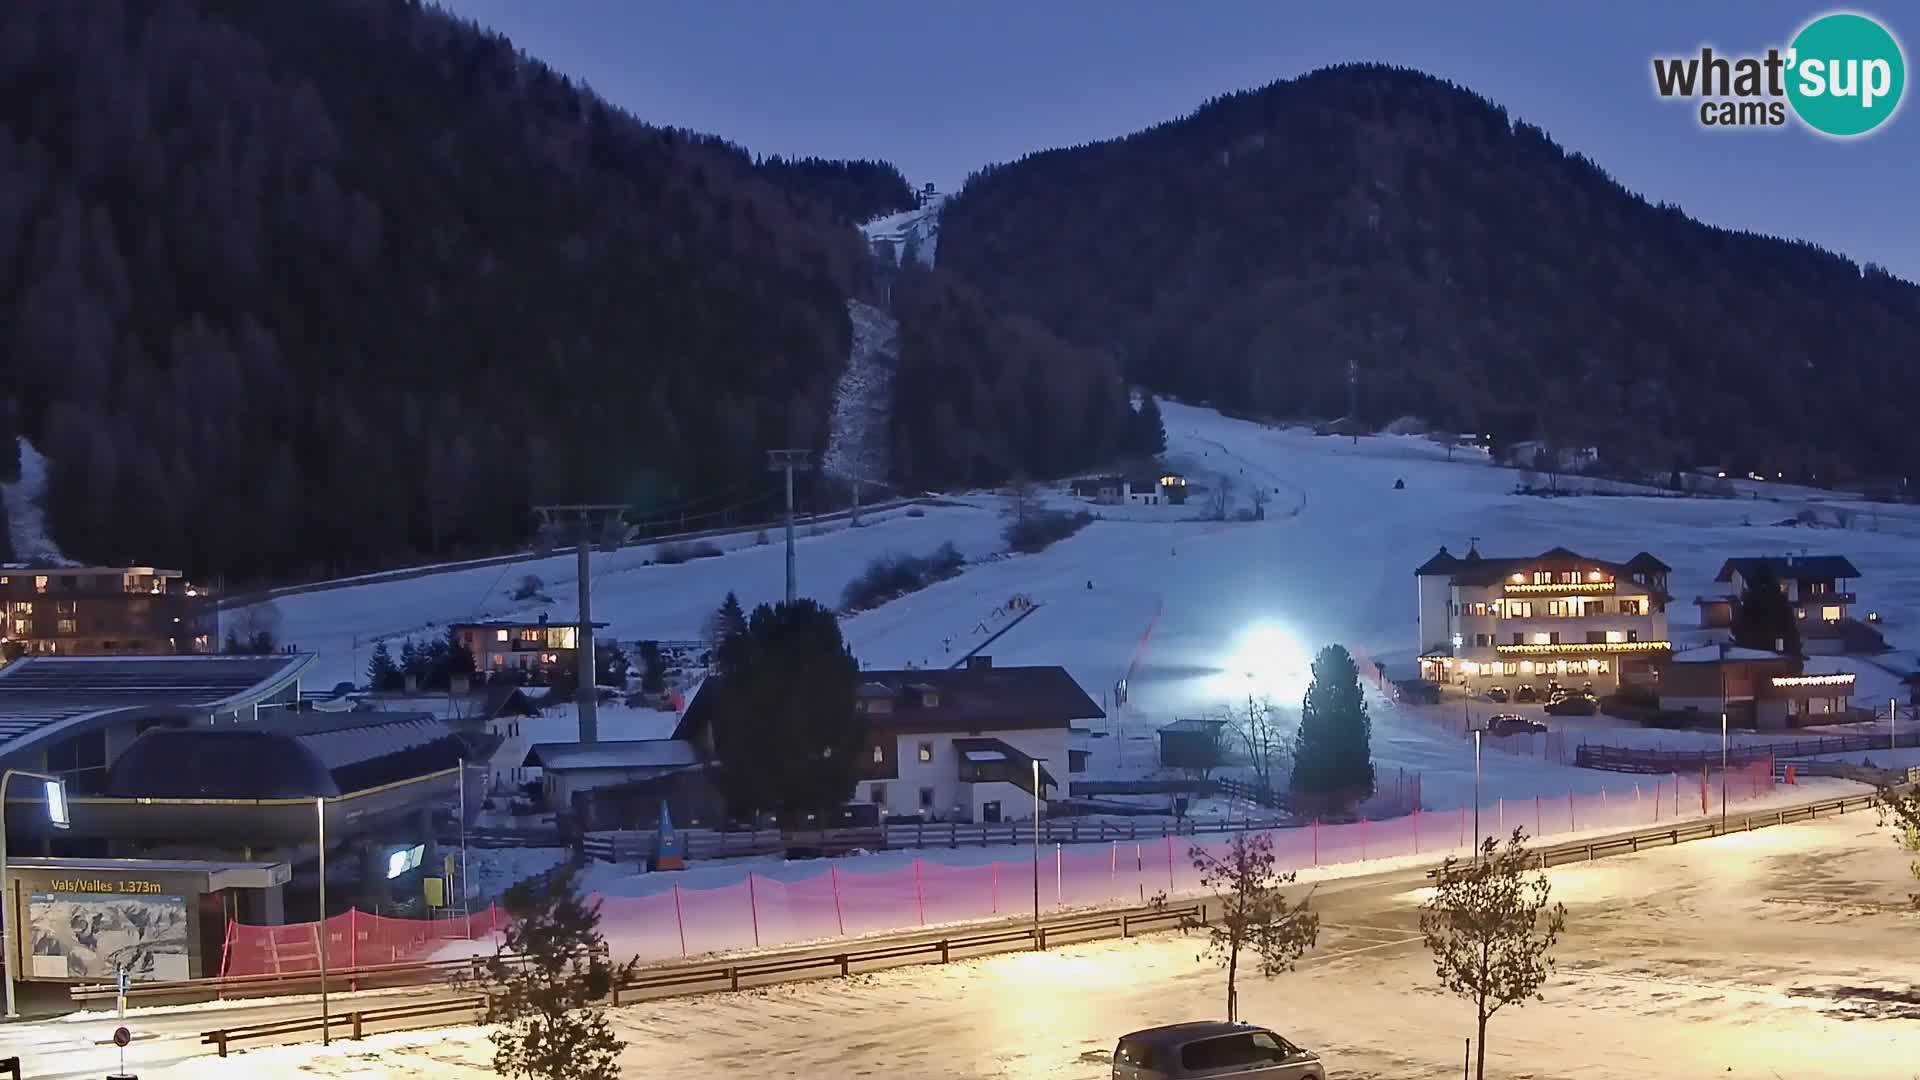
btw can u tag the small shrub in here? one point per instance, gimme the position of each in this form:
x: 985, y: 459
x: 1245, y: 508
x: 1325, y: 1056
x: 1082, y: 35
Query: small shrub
x: 529, y: 587
x: 1039, y: 528
x: 916, y: 511
x: 890, y: 576
x: 760, y: 538
x: 675, y: 554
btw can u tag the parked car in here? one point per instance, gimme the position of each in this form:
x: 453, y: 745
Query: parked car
x: 1526, y: 693
x: 1573, y: 705
x: 1212, y: 1048
x: 1513, y: 724
x: 1496, y: 693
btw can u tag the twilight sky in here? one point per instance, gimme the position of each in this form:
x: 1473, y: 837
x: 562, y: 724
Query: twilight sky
x: 940, y: 89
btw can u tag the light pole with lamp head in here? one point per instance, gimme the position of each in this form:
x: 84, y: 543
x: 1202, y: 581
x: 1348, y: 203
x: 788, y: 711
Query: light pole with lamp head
x: 1036, y: 853
x: 1723, y: 772
x: 1476, y: 792
x: 56, y: 797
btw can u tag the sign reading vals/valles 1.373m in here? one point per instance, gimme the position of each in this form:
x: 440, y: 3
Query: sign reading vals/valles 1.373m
x: 102, y: 885
x: 1842, y: 75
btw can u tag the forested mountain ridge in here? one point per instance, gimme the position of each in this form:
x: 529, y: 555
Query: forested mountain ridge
x: 1476, y: 273
x: 853, y: 191
x: 289, y: 288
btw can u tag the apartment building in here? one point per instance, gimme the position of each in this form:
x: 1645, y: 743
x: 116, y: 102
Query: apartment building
x: 1557, y: 616
x: 958, y: 744
x: 1818, y: 587
x: 514, y: 645
x: 49, y: 610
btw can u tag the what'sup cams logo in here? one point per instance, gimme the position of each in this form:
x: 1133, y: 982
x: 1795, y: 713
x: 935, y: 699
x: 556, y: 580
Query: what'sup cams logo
x: 1842, y: 76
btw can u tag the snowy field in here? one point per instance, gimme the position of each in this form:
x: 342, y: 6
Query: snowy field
x: 1742, y: 958
x: 1195, y: 615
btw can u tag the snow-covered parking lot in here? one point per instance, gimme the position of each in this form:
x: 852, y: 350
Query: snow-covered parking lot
x: 1754, y: 957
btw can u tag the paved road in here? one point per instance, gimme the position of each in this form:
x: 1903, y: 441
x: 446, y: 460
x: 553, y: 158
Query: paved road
x: 1780, y: 953
x: 1745, y: 953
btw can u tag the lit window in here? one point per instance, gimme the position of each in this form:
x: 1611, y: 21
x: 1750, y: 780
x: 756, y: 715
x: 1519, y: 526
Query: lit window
x: 499, y: 635
x: 1542, y: 639
x: 1616, y: 636
x: 68, y: 626
x: 1830, y: 614
x: 1593, y: 575
x: 926, y: 751
x: 879, y: 756
x: 1802, y: 612
x: 39, y: 584
x: 1526, y: 667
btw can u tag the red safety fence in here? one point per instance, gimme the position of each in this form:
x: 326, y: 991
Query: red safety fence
x: 840, y: 899
x: 352, y: 939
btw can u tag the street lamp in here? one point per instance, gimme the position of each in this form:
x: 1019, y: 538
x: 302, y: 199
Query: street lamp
x: 1476, y: 795
x: 1723, y: 772
x: 56, y: 795
x: 1036, y: 853
x: 326, y: 1025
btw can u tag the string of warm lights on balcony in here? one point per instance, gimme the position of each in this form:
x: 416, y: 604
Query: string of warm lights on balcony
x: 1562, y: 587
x: 1573, y: 647
x: 1813, y: 680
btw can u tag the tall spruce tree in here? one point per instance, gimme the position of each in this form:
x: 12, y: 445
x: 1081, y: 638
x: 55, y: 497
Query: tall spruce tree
x: 1333, y: 751
x: 729, y: 622
x: 382, y: 672
x: 458, y: 659
x: 786, y: 733
x: 1764, y: 618
x: 1147, y: 432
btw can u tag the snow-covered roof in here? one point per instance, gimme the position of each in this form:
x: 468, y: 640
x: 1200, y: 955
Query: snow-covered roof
x: 42, y: 696
x: 363, y: 736
x: 632, y: 754
x: 1713, y: 654
x: 983, y: 755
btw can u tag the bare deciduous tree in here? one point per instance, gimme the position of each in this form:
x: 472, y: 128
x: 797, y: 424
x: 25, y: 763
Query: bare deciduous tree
x: 1900, y: 813
x: 1491, y: 928
x: 1019, y: 494
x: 1220, y: 499
x: 1254, y: 912
x: 1257, y: 726
x: 1259, y: 496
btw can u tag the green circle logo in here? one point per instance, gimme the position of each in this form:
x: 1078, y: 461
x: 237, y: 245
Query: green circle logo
x: 1845, y: 74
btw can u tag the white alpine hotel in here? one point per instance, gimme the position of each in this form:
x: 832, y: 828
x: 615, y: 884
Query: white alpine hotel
x: 1557, y: 616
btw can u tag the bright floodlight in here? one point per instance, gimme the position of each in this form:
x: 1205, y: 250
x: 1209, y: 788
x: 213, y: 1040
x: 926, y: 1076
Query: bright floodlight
x: 407, y: 858
x: 57, y: 804
x: 1267, y: 661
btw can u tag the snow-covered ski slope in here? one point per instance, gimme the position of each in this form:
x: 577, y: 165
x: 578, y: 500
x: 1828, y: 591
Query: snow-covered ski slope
x: 916, y: 231
x: 1193, y: 614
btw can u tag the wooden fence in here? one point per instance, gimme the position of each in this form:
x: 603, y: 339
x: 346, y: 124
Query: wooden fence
x: 1635, y: 759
